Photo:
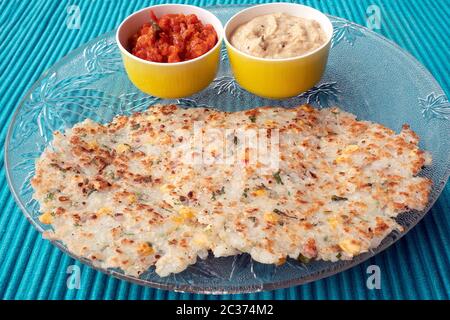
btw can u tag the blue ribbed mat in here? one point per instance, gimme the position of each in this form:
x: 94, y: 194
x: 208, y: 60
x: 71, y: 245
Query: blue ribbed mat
x: 34, y: 35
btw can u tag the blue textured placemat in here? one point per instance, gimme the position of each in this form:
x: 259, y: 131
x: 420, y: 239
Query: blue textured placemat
x: 34, y: 35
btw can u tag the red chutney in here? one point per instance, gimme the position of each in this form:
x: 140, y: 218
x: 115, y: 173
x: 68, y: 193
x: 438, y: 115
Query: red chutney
x: 173, y: 38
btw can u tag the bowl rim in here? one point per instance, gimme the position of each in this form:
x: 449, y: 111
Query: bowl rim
x: 276, y: 60
x: 220, y: 36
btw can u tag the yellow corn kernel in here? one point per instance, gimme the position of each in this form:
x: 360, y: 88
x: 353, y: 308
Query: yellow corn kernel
x: 335, y: 110
x: 413, y: 153
x: 333, y: 222
x: 177, y: 219
x: 92, y: 145
x: 200, y: 239
x: 260, y: 192
x: 166, y: 140
x: 270, y: 123
x: 77, y: 179
x: 145, y: 249
x: 132, y: 198
x: 341, y: 159
x: 104, y: 211
x: 166, y: 188
x: 305, y: 107
x: 123, y: 147
x: 46, y: 218
x: 350, y: 246
x: 350, y: 149
x: 96, y: 185
x: 186, y: 213
x: 281, y: 261
x: 270, y: 217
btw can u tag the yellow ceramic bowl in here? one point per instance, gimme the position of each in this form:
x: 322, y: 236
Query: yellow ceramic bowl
x: 278, y: 78
x: 169, y: 80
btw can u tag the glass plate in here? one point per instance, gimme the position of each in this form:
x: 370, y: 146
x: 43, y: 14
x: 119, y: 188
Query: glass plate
x: 366, y: 75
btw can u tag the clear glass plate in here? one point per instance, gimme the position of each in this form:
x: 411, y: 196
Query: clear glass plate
x: 366, y: 75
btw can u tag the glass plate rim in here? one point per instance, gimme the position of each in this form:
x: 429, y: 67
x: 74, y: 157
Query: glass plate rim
x: 345, y: 265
